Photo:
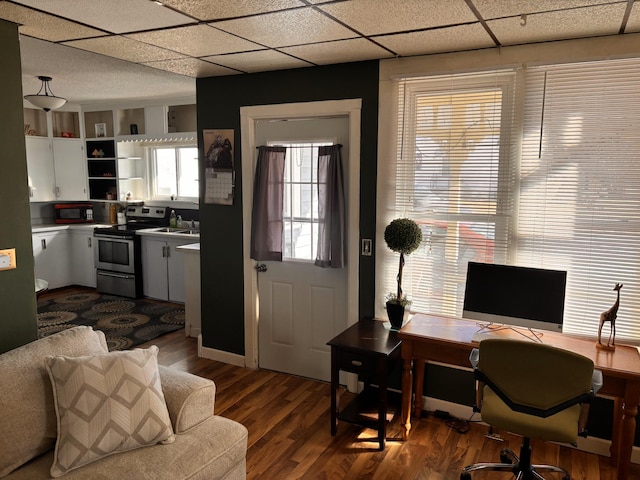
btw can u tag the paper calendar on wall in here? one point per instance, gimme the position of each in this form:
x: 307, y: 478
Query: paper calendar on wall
x: 219, y: 166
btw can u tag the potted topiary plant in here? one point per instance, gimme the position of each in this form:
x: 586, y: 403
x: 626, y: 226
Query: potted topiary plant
x: 402, y: 235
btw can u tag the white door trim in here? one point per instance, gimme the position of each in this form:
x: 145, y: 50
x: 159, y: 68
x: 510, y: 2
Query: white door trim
x: 248, y: 117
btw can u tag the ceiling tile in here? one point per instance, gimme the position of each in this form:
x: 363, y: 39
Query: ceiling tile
x: 124, y: 48
x: 43, y: 26
x: 633, y: 24
x: 220, y: 9
x: 492, y: 9
x: 340, y: 51
x: 371, y: 17
x: 559, y: 25
x: 283, y: 29
x: 197, y: 40
x: 259, y: 61
x: 440, y: 40
x: 191, y: 67
x: 120, y: 16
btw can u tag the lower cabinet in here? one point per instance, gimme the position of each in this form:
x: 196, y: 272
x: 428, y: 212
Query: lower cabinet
x: 163, y: 268
x: 52, y: 258
x: 83, y: 270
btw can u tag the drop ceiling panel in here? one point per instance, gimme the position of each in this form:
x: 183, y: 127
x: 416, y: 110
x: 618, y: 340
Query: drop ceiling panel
x: 452, y: 39
x: 121, y: 15
x: 492, y: 9
x: 371, y: 17
x: 197, y: 40
x: 283, y: 29
x: 559, y: 25
x: 41, y: 25
x: 260, y: 61
x: 124, y: 48
x: 633, y: 24
x: 340, y: 51
x: 79, y: 78
x: 191, y: 67
x: 220, y: 9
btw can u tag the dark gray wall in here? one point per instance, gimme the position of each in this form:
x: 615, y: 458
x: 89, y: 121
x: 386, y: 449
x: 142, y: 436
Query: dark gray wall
x: 219, y: 100
x: 17, y: 293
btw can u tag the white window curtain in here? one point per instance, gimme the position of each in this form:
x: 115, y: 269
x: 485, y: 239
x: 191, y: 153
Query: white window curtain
x: 537, y: 167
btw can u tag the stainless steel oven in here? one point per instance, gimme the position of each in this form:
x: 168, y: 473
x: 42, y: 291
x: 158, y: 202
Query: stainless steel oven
x: 117, y: 251
x: 114, y: 253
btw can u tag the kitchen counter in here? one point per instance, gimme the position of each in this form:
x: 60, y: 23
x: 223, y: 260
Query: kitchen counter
x: 51, y: 227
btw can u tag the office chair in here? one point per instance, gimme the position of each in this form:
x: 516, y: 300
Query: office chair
x: 534, y: 390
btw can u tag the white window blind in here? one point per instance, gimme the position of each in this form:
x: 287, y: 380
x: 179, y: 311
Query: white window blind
x: 536, y: 168
x: 580, y: 188
x: 455, y: 178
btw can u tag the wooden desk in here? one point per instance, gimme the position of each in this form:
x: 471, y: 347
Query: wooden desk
x: 370, y: 349
x: 449, y: 340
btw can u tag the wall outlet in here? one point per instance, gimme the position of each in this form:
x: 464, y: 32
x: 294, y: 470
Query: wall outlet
x: 7, y: 259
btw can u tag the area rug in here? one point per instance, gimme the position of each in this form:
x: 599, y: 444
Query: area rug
x: 126, y: 322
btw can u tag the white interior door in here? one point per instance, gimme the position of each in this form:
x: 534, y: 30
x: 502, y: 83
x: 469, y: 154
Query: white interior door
x: 301, y: 306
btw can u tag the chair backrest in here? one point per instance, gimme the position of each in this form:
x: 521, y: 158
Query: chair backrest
x: 535, y: 375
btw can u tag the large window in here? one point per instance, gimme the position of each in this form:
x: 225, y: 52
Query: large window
x: 174, y: 173
x: 536, y: 167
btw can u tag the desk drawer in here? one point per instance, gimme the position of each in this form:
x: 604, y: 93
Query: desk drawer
x: 359, y: 363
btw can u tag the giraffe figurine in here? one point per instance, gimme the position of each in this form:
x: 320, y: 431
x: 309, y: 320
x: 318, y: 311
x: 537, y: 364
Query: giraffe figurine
x: 610, y: 316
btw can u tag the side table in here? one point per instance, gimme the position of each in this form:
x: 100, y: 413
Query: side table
x: 370, y: 349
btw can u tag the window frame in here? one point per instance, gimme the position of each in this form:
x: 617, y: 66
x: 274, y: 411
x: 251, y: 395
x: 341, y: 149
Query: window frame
x: 152, y: 182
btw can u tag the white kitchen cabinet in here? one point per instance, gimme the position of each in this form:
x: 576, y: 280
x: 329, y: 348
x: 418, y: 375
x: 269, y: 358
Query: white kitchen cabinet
x: 40, y: 169
x: 51, y: 254
x: 83, y: 270
x: 70, y: 169
x: 163, y: 268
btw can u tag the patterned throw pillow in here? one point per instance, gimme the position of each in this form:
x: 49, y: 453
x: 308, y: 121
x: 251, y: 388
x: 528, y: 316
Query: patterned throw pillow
x: 106, y: 404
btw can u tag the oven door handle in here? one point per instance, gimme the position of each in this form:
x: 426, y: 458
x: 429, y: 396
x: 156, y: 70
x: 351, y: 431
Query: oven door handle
x: 116, y: 275
x: 114, y: 237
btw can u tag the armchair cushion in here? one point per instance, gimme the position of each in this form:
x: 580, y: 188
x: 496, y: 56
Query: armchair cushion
x: 27, y: 417
x: 106, y: 403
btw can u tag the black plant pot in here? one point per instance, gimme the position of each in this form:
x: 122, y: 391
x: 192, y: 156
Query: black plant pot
x: 395, y: 312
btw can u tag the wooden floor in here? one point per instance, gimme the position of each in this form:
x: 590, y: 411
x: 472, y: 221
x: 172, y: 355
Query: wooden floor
x: 289, y: 431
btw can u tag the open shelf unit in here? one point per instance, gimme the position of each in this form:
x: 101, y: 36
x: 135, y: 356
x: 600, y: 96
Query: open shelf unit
x: 35, y: 122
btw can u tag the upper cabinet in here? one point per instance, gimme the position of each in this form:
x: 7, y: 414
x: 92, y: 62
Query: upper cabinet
x: 55, y: 155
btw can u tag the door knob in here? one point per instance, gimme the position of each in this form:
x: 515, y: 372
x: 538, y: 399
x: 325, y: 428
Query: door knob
x: 261, y: 267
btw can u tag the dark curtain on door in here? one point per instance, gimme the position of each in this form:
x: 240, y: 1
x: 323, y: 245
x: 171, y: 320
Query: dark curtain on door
x: 268, y: 198
x: 332, y: 236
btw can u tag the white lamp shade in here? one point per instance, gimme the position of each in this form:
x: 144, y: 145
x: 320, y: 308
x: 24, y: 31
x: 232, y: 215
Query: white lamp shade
x: 46, y: 102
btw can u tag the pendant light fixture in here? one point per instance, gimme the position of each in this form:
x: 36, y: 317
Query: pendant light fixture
x: 45, y: 99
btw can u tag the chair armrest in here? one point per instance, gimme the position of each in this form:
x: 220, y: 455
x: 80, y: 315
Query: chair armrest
x: 190, y: 399
x: 596, y: 381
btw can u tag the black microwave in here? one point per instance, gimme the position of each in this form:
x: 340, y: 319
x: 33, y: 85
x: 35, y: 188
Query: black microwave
x: 74, y: 212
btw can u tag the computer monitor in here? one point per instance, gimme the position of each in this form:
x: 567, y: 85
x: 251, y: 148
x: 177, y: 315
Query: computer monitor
x: 520, y: 296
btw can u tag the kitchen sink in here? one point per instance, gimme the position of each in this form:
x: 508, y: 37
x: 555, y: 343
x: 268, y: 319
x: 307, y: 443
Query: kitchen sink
x: 183, y: 231
x: 171, y: 230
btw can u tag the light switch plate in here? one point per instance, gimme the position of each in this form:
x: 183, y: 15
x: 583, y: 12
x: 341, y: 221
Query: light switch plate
x: 366, y: 247
x: 7, y: 259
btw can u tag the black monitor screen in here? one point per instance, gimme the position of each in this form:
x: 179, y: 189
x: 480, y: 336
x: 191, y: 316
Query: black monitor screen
x: 523, y: 296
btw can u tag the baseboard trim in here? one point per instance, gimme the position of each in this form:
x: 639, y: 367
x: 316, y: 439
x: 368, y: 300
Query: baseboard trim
x: 599, y: 446
x: 219, y: 355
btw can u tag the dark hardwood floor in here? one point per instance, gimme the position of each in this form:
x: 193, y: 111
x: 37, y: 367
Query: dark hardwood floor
x: 289, y: 431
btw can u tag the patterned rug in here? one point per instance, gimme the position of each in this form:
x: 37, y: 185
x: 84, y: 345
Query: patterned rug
x: 125, y: 322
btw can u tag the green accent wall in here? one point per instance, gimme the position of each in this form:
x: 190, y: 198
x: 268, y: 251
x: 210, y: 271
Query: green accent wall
x: 17, y: 293
x: 218, y: 102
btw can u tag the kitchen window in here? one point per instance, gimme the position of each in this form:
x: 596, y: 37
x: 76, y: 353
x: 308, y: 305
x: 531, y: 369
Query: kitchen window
x: 174, y: 173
